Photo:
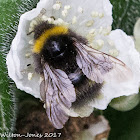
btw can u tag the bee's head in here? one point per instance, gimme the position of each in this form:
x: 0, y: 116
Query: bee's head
x: 57, y: 48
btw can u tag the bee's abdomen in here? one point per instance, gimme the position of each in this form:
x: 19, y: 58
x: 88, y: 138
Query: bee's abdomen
x: 86, y: 91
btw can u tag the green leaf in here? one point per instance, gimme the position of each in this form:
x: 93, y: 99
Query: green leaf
x: 7, y: 96
x: 10, y: 11
x: 124, y: 125
x: 125, y: 14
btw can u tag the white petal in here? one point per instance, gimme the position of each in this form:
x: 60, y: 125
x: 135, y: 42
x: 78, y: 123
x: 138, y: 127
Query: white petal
x: 137, y: 34
x: 125, y: 103
x: 129, y: 55
x: 137, y: 29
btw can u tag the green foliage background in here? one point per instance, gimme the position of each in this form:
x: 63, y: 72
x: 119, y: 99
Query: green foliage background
x: 125, y: 14
x: 125, y: 125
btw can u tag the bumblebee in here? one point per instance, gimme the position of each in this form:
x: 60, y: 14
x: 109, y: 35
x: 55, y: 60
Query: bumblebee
x: 73, y: 72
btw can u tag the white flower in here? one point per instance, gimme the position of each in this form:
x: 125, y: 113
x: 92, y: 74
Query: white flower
x: 91, y: 19
x: 98, y: 130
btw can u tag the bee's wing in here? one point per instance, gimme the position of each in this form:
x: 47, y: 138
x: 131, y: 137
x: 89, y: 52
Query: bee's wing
x: 99, y: 66
x: 58, y: 93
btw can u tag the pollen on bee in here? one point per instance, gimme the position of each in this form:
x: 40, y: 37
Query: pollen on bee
x: 30, y: 76
x: 114, y: 52
x: 90, y: 23
x: 80, y: 9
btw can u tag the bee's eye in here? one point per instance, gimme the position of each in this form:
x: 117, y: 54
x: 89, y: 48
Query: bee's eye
x: 57, y: 49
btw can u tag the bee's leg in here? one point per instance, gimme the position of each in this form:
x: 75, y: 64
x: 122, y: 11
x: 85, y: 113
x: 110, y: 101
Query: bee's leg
x: 37, y: 63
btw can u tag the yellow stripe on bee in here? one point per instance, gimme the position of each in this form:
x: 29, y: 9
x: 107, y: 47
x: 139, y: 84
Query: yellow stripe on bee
x: 39, y: 43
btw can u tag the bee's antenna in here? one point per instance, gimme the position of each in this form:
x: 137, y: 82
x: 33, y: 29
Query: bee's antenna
x: 30, y: 32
